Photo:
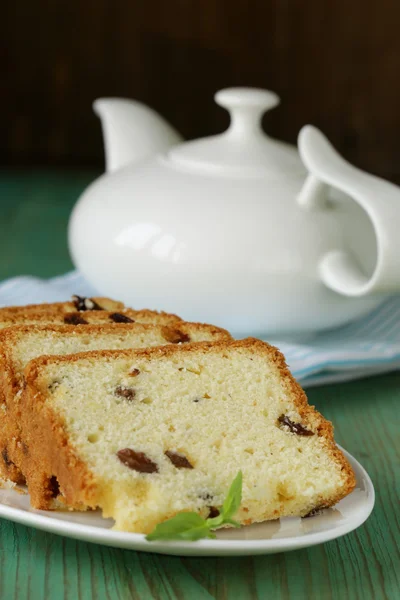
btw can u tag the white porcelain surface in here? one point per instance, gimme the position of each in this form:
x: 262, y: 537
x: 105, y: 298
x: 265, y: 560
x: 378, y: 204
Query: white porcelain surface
x: 132, y: 131
x: 380, y: 200
x: 233, y: 229
x: 264, y: 538
x: 243, y: 150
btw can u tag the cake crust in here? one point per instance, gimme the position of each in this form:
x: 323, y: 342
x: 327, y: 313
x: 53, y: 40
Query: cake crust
x: 51, y: 454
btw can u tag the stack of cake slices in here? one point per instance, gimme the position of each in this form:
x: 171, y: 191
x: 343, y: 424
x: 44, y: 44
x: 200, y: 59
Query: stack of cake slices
x: 144, y: 415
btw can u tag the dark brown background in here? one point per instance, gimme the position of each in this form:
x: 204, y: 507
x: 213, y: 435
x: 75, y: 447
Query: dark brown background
x: 335, y: 63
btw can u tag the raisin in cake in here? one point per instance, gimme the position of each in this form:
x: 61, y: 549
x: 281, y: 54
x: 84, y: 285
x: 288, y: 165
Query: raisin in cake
x: 19, y: 345
x: 193, y: 417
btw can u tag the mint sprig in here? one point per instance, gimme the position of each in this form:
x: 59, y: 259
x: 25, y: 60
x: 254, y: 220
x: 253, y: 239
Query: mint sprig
x: 190, y: 526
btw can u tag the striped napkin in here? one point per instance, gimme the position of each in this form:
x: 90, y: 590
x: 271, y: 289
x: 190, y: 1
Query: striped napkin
x: 366, y: 347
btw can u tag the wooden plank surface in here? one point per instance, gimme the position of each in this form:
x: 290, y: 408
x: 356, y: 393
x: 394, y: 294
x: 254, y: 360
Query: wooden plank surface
x: 35, y: 206
x: 335, y: 64
x: 363, y: 565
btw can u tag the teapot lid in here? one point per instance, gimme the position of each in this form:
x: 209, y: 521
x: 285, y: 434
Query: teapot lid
x: 243, y: 149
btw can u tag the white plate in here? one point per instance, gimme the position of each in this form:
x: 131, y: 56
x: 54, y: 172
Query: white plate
x: 263, y: 538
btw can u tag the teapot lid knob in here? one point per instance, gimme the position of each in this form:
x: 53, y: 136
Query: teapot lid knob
x: 243, y: 150
x: 246, y: 107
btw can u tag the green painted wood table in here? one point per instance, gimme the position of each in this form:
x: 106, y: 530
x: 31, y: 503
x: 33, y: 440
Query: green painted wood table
x: 362, y: 565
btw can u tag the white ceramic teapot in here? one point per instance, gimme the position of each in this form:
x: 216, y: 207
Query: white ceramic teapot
x: 236, y: 229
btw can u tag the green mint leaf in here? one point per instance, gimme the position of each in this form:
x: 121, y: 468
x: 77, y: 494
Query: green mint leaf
x: 233, y: 499
x: 184, y: 526
x: 190, y: 526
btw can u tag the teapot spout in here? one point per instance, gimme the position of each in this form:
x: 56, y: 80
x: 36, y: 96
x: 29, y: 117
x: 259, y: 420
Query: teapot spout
x: 132, y: 131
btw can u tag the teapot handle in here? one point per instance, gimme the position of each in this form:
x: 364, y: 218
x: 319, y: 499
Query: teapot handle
x: 380, y: 199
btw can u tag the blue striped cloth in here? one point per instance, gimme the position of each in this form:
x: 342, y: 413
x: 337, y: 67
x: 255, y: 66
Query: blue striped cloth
x: 366, y: 347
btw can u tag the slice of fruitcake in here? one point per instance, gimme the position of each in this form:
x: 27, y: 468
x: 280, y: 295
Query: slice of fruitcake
x: 189, y: 418
x: 20, y: 344
x: 96, y: 310
x: 93, y: 317
x: 78, y: 303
